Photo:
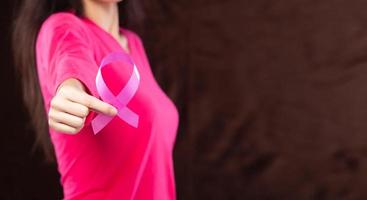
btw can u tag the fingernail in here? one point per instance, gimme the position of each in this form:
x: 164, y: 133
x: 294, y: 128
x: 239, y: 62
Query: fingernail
x: 113, y: 111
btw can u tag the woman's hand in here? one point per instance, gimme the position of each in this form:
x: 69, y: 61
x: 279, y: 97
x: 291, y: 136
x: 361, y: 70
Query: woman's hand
x: 71, y: 105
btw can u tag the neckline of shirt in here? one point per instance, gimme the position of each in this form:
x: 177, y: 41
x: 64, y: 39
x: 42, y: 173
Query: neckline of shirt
x: 121, y: 30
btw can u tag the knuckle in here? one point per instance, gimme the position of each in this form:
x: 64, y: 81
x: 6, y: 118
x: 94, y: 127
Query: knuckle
x: 53, y: 102
x: 84, y: 111
x: 79, y: 122
x: 86, y: 101
x: 77, y: 130
x: 50, y: 123
x: 62, y: 91
x: 55, y: 127
x: 72, y: 91
x: 56, y: 102
x: 67, y: 92
x: 50, y: 115
x: 74, y: 131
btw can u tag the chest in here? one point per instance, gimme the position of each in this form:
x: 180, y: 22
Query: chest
x: 154, y: 107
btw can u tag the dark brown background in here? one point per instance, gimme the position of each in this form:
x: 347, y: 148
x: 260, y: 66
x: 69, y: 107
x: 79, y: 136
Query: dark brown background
x: 272, y: 97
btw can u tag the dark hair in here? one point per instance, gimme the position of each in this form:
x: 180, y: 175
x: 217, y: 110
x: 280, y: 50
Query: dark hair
x: 32, y: 14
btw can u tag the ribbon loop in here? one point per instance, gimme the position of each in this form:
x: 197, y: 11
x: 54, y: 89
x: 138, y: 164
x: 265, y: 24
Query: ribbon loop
x: 121, y: 100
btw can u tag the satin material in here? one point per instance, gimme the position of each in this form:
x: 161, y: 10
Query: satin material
x: 123, y: 98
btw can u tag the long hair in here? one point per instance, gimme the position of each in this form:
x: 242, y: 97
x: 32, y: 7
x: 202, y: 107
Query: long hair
x: 31, y: 15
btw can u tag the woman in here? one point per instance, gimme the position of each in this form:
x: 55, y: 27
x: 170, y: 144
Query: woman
x: 59, y: 46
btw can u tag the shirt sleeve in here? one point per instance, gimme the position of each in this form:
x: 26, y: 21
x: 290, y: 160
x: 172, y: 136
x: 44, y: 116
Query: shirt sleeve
x: 69, y: 54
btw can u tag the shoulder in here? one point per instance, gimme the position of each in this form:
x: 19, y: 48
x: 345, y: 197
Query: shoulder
x: 62, y: 22
x: 62, y: 18
x: 61, y: 32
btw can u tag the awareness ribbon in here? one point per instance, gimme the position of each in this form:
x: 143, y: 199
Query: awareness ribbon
x: 122, y: 99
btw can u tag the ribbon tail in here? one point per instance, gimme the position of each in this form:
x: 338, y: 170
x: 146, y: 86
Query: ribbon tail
x: 129, y: 116
x: 99, y: 122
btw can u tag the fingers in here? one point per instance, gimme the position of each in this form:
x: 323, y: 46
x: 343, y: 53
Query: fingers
x: 99, y: 106
x: 67, y: 119
x: 70, y: 107
x: 65, y: 122
x: 62, y: 127
x: 93, y: 103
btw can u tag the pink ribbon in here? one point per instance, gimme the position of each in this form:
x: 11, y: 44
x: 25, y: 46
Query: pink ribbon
x: 122, y: 99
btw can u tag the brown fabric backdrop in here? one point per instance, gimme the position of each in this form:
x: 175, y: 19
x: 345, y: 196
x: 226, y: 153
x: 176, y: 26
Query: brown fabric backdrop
x: 272, y: 97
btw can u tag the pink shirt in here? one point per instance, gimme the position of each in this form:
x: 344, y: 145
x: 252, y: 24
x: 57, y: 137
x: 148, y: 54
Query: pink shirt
x: 121, y: 161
